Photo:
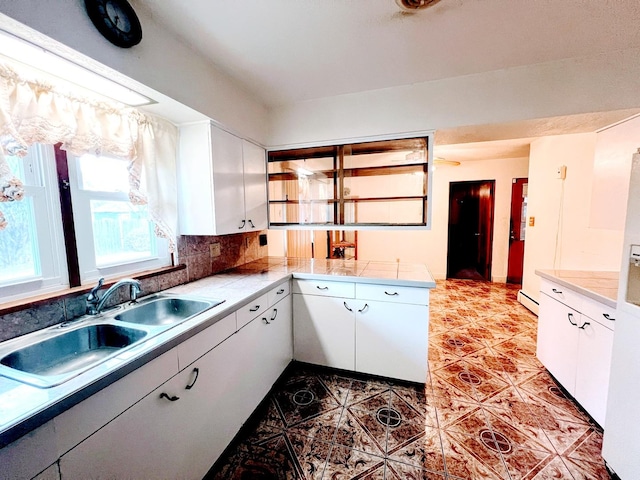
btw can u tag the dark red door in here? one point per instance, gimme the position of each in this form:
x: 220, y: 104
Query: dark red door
x: 470, y: 230
x: 517, y: 229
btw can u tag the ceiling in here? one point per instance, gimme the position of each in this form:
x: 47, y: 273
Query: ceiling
x: 285, y: 51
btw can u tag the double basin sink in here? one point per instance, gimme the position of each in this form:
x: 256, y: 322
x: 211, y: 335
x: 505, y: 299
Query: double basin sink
x: 51, y: 356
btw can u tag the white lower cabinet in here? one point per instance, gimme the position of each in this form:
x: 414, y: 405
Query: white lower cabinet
x: 392, y: 340
x: 324, y: 330
x: 576, y: 348
x: 372, y: 331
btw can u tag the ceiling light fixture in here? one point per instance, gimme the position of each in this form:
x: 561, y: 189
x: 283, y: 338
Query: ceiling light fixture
x: 414, y: 5
x: 38, y: 58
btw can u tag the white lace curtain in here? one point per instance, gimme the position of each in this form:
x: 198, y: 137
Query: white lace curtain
x: 33, y: 111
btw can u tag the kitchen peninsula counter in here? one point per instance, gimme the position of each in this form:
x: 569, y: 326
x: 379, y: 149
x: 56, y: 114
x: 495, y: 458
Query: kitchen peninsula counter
x: 601, y: 286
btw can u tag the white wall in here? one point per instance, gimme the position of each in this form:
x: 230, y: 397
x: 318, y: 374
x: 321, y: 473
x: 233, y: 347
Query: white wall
x: 161, y: 61
x: 583, y: 85
x: 562, y: 237
x: 430, y: 246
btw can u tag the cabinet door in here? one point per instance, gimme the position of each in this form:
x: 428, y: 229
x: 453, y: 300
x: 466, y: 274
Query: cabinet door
x: 558, y: 340
x: 146, y: 441
x: 324, y: 330
x: 392, y: 339
x: 594, y: 364
x: 255, y: 186
x: 207, y: 409
x: 228, y: 182
x: 266, y: 346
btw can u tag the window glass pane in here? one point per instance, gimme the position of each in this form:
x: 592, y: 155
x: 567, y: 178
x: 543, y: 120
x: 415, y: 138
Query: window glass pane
x: 19, y: 259
x: 103, y: 174
x: 122, y: 232
x: 398, y: 212
x: 17, y: 166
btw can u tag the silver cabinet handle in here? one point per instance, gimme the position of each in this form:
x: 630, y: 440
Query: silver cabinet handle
x: 347, y: 306
x: 570, y: 315
x: 265, y: 321
x: 584, y: 325
x: 391, y: 294
x: 244, y: 222
x: 366, y: 305
x: 255, y: 309
x: 280, y: 292
x: 608, y: 317
x: 559, y: 292
x: 322, y: 288
x: 251, y: 223
x: 275, y: 314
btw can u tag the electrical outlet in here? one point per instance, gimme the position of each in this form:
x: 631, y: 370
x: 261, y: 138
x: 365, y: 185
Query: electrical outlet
x: 562, y: 172
x: 214, y: 250
x: 532, y: 221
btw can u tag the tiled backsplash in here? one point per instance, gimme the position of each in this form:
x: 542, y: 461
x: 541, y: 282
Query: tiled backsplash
x: 193, y: 251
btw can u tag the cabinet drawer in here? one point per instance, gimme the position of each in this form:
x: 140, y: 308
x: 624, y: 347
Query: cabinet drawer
x: 599, y: 312
x: 391, y: 293
x: 325, y: 288
x: 251, y: 310
x: 562, y: 294
x: 192, y: 349
x: 279, y: 292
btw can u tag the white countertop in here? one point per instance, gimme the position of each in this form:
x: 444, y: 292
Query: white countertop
x: 601, y: 286
x: 24, y: 407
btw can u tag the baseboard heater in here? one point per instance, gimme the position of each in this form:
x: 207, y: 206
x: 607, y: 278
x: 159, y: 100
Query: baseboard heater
x: 528, y: 302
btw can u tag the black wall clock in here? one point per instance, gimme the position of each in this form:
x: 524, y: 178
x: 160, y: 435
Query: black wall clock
x: 116, y: 21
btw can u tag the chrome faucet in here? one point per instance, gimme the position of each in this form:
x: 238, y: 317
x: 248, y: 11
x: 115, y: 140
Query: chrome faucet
x: 96, y: 304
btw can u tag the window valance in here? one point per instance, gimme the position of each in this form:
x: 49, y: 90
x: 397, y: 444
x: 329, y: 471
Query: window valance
x: 35, y: 111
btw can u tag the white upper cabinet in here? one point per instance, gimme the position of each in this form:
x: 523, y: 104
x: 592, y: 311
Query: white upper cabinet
x: 222, y: 182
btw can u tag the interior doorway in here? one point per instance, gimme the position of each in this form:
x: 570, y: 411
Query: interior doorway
x: 470, y: 242
x: 518, y: 223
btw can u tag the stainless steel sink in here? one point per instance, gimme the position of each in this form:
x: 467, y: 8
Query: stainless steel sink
x: 65, y: 353
x: 164, y: 311
x: 51, y: 356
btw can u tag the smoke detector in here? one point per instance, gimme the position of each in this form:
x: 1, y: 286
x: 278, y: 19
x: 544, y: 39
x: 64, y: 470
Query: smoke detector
x: 414, y: 5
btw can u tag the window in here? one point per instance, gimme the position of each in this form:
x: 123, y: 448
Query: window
x: 104, y: 235
x: 31, y: 253
x: 360, y: 185
x: 113, y: 235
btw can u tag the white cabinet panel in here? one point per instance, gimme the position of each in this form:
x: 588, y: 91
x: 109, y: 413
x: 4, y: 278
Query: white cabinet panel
x: 278, y: 293
x: 391, y: 293
x: 51, y: 473
x: 80, y: 421
x: 561, y: 293
x: 250, y: 311
x: 599, y: 312
x: 325, y: 288
x: 255, y: 186
x: 222, y: 182
x: 198, y: 345
x: 146, y: 441
x: 392, y: 339
x: 593, y: 368
x: 29, y: 455
x: 324, y: 330
x: 558, y: 340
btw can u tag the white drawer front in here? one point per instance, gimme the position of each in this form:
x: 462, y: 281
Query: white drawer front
x: 324, y: 288
x: 599, y: 312
x: 251, y: 310
x: 562, y: 294
x: 392, y: 293
x: 192, y: 349
x: 278, y: 293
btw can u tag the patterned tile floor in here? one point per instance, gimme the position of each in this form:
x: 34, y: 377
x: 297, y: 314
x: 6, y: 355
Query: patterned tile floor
x: 488, y: 410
